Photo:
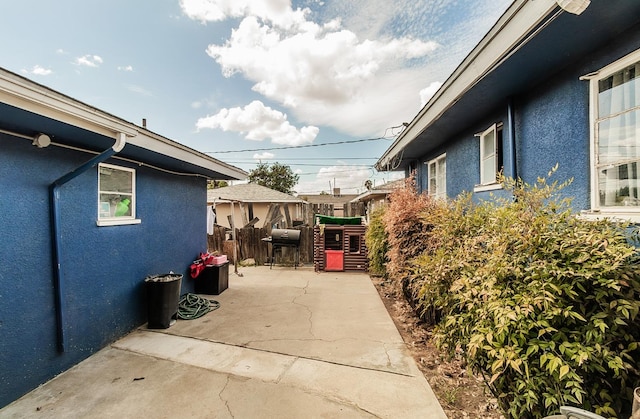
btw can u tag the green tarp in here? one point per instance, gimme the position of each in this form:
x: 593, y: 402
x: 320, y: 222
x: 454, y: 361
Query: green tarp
x: 327, y: 219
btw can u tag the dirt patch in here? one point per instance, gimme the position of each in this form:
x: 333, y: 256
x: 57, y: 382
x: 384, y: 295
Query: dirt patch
x: 461, y: 394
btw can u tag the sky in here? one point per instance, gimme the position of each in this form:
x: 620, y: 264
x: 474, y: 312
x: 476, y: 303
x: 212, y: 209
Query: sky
x: 250, y: 81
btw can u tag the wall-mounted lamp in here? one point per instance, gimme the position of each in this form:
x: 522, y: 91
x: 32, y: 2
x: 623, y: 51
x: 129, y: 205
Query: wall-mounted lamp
x: 574, y: 6
x: 41, y: 140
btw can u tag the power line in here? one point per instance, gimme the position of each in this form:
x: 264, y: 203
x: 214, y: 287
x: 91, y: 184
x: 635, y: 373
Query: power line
x: 252, y: 160
x: 298, y: 146
x: 340, y: 171
x: 312, y: 164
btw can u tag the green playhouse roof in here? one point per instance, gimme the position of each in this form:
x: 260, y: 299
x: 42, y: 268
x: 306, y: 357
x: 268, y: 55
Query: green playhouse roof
x: 327, y: 219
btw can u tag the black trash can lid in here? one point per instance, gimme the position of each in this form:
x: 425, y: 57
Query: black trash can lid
x: 163, y: 278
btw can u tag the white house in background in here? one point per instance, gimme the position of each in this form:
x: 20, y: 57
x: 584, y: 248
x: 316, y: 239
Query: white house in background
x: 250, y: 201
x: 378, y: 196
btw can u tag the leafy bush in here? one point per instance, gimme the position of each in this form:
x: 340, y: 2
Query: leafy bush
x: 540, y: 302
x: 377, y: 244
x: 408, y: 232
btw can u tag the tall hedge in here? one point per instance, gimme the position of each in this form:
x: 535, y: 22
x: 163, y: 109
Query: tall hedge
x: 540, y: 302
x: 377, y: 244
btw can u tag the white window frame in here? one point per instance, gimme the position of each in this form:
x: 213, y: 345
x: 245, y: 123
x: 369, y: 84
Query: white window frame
x: 492, y: 155
x: 440, y: 191
x: 112, y: 220
x: 628, y: 213
x: 492, y: 183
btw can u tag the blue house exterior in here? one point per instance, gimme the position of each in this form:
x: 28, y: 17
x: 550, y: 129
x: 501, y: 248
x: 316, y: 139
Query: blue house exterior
x: 553, y: 82
x: 72, y: 272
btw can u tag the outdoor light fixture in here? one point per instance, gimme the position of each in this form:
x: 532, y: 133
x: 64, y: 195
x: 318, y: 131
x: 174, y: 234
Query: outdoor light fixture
x: 41, y: 140
x: 574, y: 6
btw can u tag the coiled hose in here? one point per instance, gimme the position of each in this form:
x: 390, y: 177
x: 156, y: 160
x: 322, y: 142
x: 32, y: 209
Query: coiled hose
x: 192, y: 306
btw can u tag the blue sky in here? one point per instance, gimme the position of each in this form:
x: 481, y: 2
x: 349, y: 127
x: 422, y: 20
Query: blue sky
x: 253, y: 75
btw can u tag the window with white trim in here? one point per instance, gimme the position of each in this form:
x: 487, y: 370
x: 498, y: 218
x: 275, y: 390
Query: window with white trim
x: 116, y: 195
x: 437, y: 177
x: 490, y: 154
x: 615, y: 136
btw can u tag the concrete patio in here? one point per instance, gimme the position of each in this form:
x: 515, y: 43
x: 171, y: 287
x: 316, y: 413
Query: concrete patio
x: 285, y: 343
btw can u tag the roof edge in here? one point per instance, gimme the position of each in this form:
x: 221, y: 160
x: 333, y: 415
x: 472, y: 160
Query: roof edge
x: 23, y: 93
x: 509, y: 32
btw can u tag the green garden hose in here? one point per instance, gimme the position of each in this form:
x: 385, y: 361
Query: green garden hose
x: 192, y: 306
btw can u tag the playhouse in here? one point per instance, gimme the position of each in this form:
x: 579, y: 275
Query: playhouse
x: 338, y: 244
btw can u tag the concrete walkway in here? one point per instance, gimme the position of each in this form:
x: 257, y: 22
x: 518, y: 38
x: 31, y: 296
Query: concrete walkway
x: 284, y: 343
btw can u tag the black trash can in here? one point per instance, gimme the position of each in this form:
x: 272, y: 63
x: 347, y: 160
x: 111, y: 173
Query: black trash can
x: 163, y: 296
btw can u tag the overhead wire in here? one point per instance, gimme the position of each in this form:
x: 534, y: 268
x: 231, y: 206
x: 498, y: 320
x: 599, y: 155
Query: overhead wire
x: 299, y: 146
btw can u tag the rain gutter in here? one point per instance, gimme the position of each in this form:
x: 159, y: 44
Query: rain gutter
x: 54, y: 212
x: 512, y: 138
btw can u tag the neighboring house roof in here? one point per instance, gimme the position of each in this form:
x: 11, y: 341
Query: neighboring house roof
x: 69, y: 123
x: 530, y: 42
x: 250, y: 192
x: 380, y: 191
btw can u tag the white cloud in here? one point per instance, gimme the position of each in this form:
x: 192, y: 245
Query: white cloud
x: 89, y: 61
x: 428, y: 92
x: 359, y: 66
x: 125, y: 68
x: 321, y: 73
x: 259, y: 122
x: 139, y: 90
x: 263, y: 156
x: 38, y: 71
x: 349, y: 179
x: 278, y: 12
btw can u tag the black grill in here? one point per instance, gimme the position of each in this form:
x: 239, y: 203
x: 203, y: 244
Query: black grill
x: 284, y: 238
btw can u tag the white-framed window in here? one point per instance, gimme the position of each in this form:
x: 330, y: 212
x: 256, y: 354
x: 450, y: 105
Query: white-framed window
x: 615, y: 137
x: 490, y: 159
x: 116, y: 195
x: 437, y: 177
x: 489, y: 155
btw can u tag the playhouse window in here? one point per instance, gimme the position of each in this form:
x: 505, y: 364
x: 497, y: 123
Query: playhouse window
x: 354, y: 244
x: 116, y: 195
x: 615, y: 142
x: 437, y: 177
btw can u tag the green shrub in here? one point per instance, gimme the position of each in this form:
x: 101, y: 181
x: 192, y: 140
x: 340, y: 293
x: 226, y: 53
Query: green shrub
x: 540, y: 302
x: 377, y: 244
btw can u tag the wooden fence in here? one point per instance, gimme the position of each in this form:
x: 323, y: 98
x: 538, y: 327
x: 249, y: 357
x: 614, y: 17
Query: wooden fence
x: 251, y: 246
x: 350, y: 209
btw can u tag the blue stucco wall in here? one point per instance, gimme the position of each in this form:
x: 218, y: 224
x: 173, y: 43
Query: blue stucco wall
x: 551, y: 123
x: 103, y: 267
x: 552, y: 127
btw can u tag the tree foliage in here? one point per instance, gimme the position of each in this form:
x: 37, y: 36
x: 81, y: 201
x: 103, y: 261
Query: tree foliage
x: 278, y: 176
x: 214, y: 184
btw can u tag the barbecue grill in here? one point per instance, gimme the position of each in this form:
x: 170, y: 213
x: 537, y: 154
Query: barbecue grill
x: 284, y: 238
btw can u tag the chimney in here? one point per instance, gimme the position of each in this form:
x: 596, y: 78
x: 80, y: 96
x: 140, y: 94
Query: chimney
x: 144, y: 122
x: 336, y: 191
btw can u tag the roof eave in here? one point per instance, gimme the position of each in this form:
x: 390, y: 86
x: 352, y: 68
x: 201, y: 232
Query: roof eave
x: 159, y: 144
x: 518, y: 21
x: 24, y: 94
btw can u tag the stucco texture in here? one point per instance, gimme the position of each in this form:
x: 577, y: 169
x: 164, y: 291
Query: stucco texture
x: 103, y: 268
